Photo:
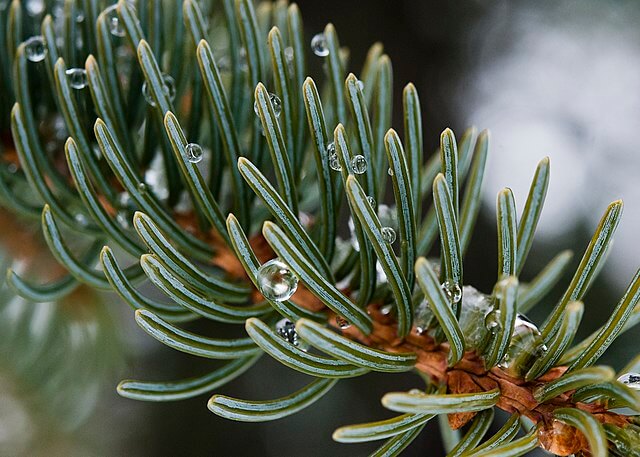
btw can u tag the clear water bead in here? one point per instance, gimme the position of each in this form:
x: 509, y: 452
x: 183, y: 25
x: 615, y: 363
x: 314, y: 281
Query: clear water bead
x: 288, y: 54
x: 77, y: 77
x: 422, y: 317
x: 390, y: 171
x: 35, y: 7
x: 386, y: 310
x: 276, y: 281
x: 342, y: 322
x: 34, y: 48
x: 122, y: 219
x: 169, y: 88
x: 359, y: 164
x: 275, y: 102
x: 388, y: 215
x: 360, y: 85
x: 371, y: 200
x: 319, y: 45
x: 473, y: 308
x: 113, y: 21
x: 352, y: 232
x: 81, y: 219
x: 492, y: 321
x: 526, y: 340
x: 452, y: 291
x: 631, y: 380
x: 388, y: 234
x: 287, y: 331
x: 194, y: 152
x: 334, y: 163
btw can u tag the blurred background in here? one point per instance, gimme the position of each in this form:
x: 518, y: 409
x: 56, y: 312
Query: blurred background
x: 548, y: 78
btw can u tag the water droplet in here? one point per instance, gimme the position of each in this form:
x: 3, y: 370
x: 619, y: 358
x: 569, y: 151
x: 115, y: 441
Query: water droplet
x: 452, y: 291
x: 12, y: 168
x: 352, y: 231
x: 122, y: 219
x: 81, y: 219
x: 80, y: 16
x: 319, y: 45
x: 275, y: 102
x: 77, y: 77
x: 359, y: 164
x: 415, y: 392
x: 386, y: 310
x: 390, y: 171
x: 306, y: 219
x: 474, y: 307
x: 630, y: 380
x: 35, y: 7
x: 388, y: 234
x: 342, y: 322
x: 142, y: 187
x: 276, y: 281
x: 194, y: 152
x: 388, y: 215
x: 371, y: 200
x: 492, y: 321
x: 423, y: 317
x: 288, y: 54
x: 124, y: 199
x: 34, y: 48
x: 169, y: 88
x: 334, y: 163
x: 224, y: 64
x: 526, y: 340
x: 243, y: 62
x: 113, y: 21
x: 287, y: 331
x: 360, y: 85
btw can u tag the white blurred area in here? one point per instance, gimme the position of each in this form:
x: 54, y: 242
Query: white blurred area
x: 564, y: 82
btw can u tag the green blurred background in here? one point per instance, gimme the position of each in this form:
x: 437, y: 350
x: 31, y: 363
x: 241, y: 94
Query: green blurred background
x: 557, y: 78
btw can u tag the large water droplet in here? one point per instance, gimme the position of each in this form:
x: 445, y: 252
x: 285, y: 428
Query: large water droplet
x: 122, y: 219
x: 371, y: 200
x: 422, y: 317
x: 113, y: 21
x: 276, y: 281
x: 34, y: 48
x: 352, y: 232
x: 452, y: 291
x: 288, y: 53
x: 334, y: 162
x: 81, y: 219
x: 224, y: 64
x: 77, y: 77
x: 388, y: 215
x: 630, y: 380
x: 194, y: 152
x: 243, y: 62
x: 492, y: 321
x: 525, y: 341
x: 388, y: 234
x: 35, y: 7
x: 359, y: 164
x: 319, y: 45
x: 474, y: 307
x: 342, y: 322
x: 390, y: 171
x: 386, y: 310
x: 168, y: 87
x: 275, y: 102
x: 287, y: 331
